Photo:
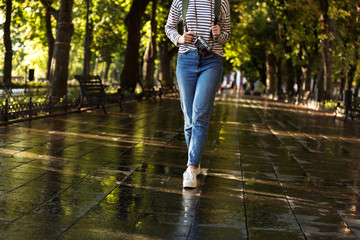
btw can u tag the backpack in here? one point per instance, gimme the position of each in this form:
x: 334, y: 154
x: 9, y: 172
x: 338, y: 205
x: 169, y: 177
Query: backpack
x: 185, y: 4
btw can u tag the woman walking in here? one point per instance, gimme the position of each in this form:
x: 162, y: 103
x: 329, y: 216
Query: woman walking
x: 199, y: 69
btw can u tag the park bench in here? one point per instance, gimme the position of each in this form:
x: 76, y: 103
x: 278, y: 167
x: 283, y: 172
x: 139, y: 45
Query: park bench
x: 352, y: 110
x: 94, y: 91
x: 168, y: 90
x: 149, y: 93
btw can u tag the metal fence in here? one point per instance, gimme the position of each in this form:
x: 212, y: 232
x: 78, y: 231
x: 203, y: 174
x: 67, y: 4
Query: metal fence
x: 11, y: 109
x: 28, y: 110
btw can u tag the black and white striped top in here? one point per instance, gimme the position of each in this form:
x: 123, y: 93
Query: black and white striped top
x: 203, y: 20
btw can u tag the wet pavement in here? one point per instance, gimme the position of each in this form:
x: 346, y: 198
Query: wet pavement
x: 270, y: 171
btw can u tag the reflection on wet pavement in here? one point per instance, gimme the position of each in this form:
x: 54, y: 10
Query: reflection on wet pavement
x: 270, y: 171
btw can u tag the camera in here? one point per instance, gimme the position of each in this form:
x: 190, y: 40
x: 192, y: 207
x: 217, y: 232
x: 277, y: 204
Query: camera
x: 202, y: 46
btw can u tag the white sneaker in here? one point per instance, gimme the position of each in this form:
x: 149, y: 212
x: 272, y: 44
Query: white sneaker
x: 189, y: 178
x: 198, y: 170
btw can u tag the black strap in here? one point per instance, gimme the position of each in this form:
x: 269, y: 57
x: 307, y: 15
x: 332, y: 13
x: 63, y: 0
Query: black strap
x: 185, y: 4
x: 217, y: 11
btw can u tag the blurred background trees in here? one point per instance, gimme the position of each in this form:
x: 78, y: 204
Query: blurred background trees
x: 292, y: 47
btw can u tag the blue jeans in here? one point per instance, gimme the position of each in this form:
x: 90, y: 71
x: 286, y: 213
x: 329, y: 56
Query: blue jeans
x: 198, y: 78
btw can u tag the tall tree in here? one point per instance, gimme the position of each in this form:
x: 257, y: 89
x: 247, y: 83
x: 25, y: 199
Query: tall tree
x: 8, y: 44
x: 166, y: 54
x: 302, y: 38
x: 88, y: 40
x: 150, y: 52
x: 49, y: 11
x: 270, y: 73
x: 60, y: 62
x: 312, y: 56
x: 50, y: 41
x: 109, y: 35
x: 347, y: 46
x: 290, y: 74
x: 279, y: 75
x: 328, y: 25
x: 130, y: 74
x: 167, y: 50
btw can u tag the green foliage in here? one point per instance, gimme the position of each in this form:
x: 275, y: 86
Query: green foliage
x: 24, y: 99
x: 347, y: 39
x: 330, y: 105
x: 109, y: 29
x: 288, y: 29
x: 161, y: 15
x: 246, y: 48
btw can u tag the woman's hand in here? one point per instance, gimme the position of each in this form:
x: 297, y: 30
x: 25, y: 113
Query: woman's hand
x: 186, y: 38
x: 215, y: 31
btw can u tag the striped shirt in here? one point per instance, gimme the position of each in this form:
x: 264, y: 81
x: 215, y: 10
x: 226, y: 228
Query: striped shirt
x: 203, y: 23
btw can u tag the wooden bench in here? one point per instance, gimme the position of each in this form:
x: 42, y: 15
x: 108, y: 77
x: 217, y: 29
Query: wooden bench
x: 149, y: 93
x: 93, y: 90
x: 168, y: 90
x: 116, y: 98
x: 352, y: 110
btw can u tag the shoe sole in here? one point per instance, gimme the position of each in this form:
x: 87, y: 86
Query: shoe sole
x: 190, y: 185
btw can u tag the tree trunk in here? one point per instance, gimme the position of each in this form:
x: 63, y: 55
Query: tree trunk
x: 130, y: 74
x: 107, y: 68
x: 60, y: 61
x: 8, y: 45
x: 166, y: 56
x: 290, y: 75
x: 320, y: 81
x: 327, y: 50
x: 279, y: 76
x: 342, y: 87
x: 299, y: 80
x: 270, y: 73
x: 150, y: 53
x: 309, y: 70
x: 88, y: 40
x: 262, y: 72
x: 351, y: 76
x: 357, y: 87
x: 164, y: 68
x: 148, y: 68
x: 50, y: 40
x: 326, y: 45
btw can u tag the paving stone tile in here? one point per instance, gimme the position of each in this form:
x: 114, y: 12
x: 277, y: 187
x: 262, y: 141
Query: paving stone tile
x: 271, y: 233
x: 269, y: 171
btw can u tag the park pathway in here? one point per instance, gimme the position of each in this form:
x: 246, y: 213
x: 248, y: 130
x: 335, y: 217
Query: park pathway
x: 270, y: 170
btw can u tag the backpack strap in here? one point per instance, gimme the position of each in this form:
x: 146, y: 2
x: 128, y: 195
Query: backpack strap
x: 217, y: 11
x: 185, y: 4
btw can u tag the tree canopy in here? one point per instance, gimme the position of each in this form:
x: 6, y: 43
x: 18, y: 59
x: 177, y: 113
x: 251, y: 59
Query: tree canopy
x: 311, y: 43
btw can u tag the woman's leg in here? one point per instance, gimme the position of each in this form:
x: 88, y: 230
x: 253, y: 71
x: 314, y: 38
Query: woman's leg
x: 198, y: 79
x: 208, y: 82
x: 187, y: 77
